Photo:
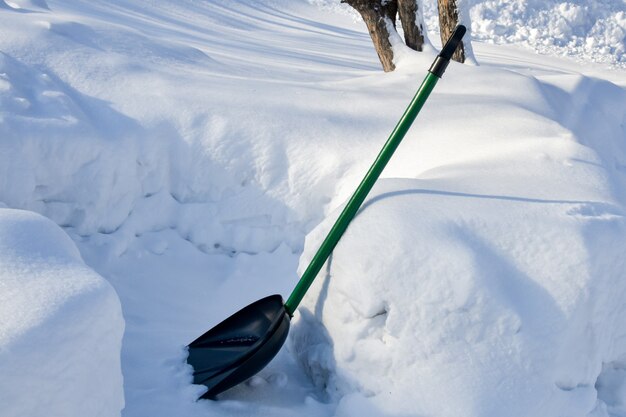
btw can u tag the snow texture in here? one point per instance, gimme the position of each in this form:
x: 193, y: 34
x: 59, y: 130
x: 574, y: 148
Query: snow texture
x: 588, y: 30
x: 448, y: 313
x: 62, y: 325
x: 479, y: 288
x: 187, y: 148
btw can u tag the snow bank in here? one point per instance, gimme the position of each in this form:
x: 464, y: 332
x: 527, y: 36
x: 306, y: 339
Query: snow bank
x: 109, y: 129
x: 493, y: 284
x: 592, y: 30
x: 164, y: 135
x: 445, y: 303
x: 61, y: 332
x: 63, y: 155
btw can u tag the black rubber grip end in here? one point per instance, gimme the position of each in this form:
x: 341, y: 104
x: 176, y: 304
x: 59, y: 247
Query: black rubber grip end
x: 443, y: 59
x: 453, y: 42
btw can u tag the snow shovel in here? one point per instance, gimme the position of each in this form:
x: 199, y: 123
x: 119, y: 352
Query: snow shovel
x: 246, y: 342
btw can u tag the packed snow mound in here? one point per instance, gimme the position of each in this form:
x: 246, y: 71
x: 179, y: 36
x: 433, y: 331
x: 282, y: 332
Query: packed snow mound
x: 592, y: 30
x: 443, y: 303
x: 51, y: 299
x: 480, y: 288
x: 63, y: 158
x: 113, y: 130
x: 92, y: 169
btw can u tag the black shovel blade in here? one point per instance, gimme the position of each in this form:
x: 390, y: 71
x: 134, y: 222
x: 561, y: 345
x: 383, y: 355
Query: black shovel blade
x: 240, y: 346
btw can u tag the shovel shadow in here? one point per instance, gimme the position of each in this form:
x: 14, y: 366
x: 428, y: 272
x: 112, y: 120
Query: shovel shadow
x: 313, y: 346
x: 380, y: 197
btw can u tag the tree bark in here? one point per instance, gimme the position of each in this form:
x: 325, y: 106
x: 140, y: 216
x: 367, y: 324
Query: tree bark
x: 413, y: 30
x: 377, y: 14
x: 448, y: 19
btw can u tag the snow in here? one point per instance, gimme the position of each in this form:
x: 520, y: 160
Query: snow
x: 591, y: 30
x: 188, y: 148
x: 62, y: 325
x: 587, y: 30
x: 476, y: 288
x: 445, y: 310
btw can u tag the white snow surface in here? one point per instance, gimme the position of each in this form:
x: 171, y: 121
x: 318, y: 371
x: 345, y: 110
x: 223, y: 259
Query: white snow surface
x: 475, y: 289
x: 187, y: 148
x: 446, y: 305
x: 61, y: 329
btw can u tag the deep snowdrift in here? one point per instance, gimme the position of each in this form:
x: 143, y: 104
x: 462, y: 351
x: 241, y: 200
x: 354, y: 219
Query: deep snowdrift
x: 592, y: 30
x: 444, y: 303
x: 481, y: 288
x: 61, y: 327
x: 188, y: 147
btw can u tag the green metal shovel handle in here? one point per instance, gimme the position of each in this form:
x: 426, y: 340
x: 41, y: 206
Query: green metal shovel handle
x: 350, y: 210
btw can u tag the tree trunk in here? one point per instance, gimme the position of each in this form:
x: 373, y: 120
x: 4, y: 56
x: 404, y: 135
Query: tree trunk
x: 413, y: 30
x: 448, y: 19
x: 377, y: 14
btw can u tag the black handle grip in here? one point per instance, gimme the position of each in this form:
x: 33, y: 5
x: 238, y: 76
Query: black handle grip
x: 443, y: 59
